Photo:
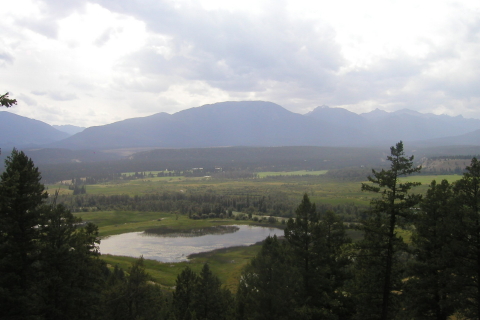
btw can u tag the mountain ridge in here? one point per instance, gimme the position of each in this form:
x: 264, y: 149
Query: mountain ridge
x: 261, y: 123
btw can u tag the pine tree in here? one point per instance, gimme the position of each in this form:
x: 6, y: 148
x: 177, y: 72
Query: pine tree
x: 430, y: 287
x: 333, y: 263
x: 210, y: 301
x: 378, y: 262
x: 201, y: 296
x: 21, y: 196
x: 184, y: 294
x: 6, y: 102
x: 467, y: 239
x: 70, y: 271
x: 48, y: 267
x: 134, y: 297
x: 300, y: 236
x: 316, y: 249
x: 268, y: 284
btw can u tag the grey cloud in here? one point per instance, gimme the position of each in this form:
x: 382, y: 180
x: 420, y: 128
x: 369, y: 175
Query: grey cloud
x: 383, y: 80
x: 52, y: 10
x: 45, y: 26
x: 60, y: 96
x: 105, y: 37
x: 6, y: 58
x: 62, y: 8
x: 251, y: 49
x: 82, y: 83
x: 39, y: 93
x: 27, y: 100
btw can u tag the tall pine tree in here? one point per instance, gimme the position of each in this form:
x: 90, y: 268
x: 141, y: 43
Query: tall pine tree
x: 316, y: 248
x: 300, y: 234
x: 467, y: 239
x: 378, y: 276
x: 268, y: 284
x: 21, y: 197
x: 49, y: 268
x: 430, y: 286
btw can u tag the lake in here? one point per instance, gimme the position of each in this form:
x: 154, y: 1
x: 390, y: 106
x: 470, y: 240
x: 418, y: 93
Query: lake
x: 175, y: 247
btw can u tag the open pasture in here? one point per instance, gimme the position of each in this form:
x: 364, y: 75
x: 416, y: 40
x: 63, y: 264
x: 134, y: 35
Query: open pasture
x: 117, y: 222
x: 225, y: 263
x: 426, y: 180
x: 147, y: 173
x: 290, y: 173
x: 321, y: 189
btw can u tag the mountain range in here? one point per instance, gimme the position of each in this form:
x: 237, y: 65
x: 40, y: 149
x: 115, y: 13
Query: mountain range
x: 247, y: 123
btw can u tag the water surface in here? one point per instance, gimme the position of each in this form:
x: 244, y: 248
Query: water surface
x: 175, y: 248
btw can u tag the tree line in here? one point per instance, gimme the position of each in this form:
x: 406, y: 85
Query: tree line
x: 197, y: 204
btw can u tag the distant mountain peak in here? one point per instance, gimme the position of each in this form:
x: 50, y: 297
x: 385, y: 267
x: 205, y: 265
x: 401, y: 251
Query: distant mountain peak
x: 375, y: 114
x: 338, y: 116
x: 70, y: 129
x: 18, y: 131
x: 229, y: 105
x: 325, y: 108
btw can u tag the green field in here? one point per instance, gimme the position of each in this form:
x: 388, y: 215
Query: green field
x: 226, y: 263
x: 290, y: 173
x: 145, y: 172
x: 428, y: 179
x: 320, y: 188
x: 117, y: 222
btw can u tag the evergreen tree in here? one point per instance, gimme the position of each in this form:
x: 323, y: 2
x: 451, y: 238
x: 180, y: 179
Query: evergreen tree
x: 48, y: 268
x: 467, y: 239
x: 333, y: 266
x: 184, y: 294
x: 210, y: 301
x: 300, y: 234
x: 316, y: 247
x: 379, y: 260
x: 429, y: 289
x: 201, y: 296
x: 21, y: 196
x: 134, y: 297
x: 268, y: 284
x: 6, y: 102
x: 70, y: 271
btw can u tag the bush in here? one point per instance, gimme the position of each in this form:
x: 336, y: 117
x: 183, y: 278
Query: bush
x: 271, y: 220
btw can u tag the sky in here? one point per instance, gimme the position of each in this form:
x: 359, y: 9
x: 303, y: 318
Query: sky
x: 89, y: 63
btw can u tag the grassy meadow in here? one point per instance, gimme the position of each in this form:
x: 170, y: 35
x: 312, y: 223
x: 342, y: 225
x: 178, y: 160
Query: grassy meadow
x: 290, y: 173
x: 117, y: 222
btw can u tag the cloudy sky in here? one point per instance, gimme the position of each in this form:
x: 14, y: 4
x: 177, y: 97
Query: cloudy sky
x: 95, y: 62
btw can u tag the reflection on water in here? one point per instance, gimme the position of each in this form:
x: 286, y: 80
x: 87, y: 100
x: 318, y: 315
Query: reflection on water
x: 175, y: 249
x: 197, y: 232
